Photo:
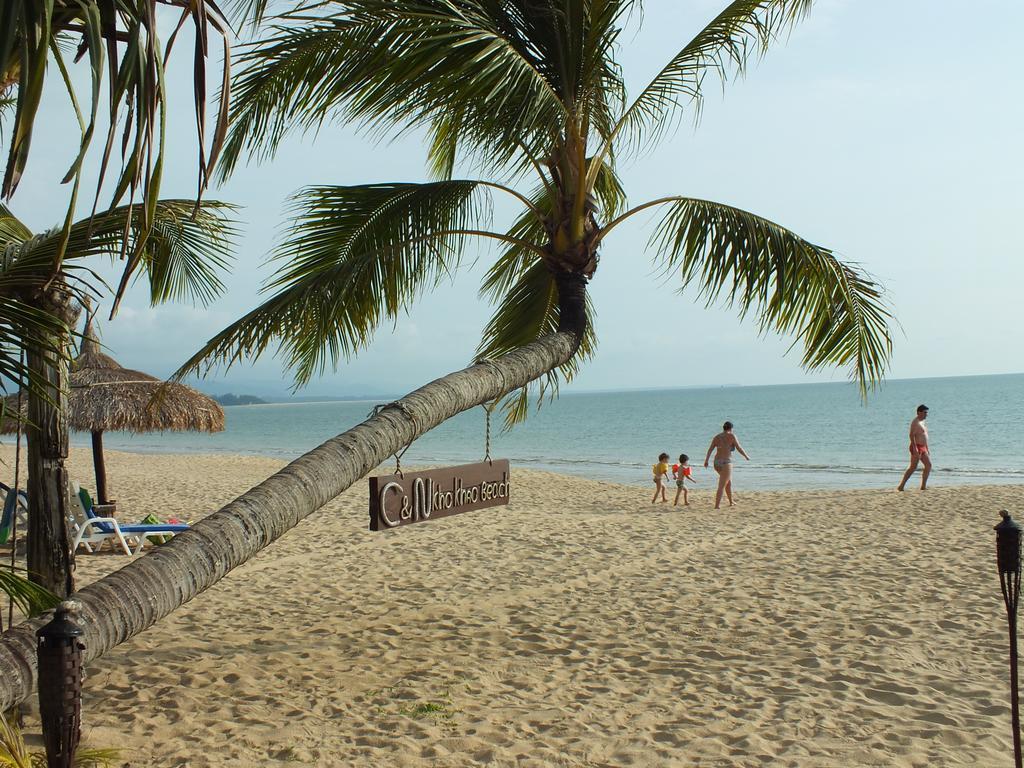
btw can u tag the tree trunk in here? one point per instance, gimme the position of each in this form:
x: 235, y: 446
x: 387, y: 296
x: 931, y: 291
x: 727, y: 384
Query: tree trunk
x: 99, y: 467
x: 50, y: 560
x: 132, y: 599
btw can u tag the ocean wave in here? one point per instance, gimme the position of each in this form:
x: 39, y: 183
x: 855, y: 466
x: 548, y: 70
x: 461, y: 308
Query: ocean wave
x: 581, y: 462
x: 854, y: 469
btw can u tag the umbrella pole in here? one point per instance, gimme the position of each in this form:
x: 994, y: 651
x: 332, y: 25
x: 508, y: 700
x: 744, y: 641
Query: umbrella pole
x: 99, y: 467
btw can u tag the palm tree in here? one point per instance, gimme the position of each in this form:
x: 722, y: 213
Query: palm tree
x: 529, y: 90
x: 119, y: 43
x: 523, y: 88
x: 185, y: 248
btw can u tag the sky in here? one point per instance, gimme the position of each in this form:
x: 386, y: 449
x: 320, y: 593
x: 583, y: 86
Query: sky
x: 888, y: 132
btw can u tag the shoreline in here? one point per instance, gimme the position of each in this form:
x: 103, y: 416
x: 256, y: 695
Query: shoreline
x: 585, y: 469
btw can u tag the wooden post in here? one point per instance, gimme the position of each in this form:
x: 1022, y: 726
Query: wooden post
x: 48, y: 549
x: 99, y: 467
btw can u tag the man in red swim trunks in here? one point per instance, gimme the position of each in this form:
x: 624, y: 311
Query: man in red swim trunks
x: 918, y: 449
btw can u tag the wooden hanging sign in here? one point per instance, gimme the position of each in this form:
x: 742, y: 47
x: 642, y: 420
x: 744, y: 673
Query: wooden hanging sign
x: 415, y: 497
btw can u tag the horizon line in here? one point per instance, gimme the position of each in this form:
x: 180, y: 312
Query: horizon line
x: 314, y: 399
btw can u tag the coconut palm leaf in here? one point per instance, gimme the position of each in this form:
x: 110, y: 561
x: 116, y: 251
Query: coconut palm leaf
x: 30, y: 598
x: 532, y: 228
x: 528, y: 311
x: 22, y: 324
x: 181, y: 253
x: 186, y: 250
x: 444, y: 144
x: 744, y: 27
x: 14, y: 752
x: 608, y: 191
x: 515, y: 259
x: 601, y: 80
x: 353, y: 257
x: 23, y: 272
x: 181, y: 257
x: 795, y: 287
x: 119, y: 40
x: 247, y: 12
x: 474, y: 54
x: 12, y: 230
x: 7, y: 105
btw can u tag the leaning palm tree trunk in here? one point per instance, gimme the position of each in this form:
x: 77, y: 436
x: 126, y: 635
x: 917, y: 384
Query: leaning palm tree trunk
x: 132, y: 599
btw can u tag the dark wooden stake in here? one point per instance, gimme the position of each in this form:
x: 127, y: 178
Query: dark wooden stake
x: 1011, y: 593
x: 99, y: 467
x: 1008, y: 559
x: 60, y: 686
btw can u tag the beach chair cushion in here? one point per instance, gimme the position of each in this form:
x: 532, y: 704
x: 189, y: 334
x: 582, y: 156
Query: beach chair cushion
x: 7, y: 519
x: 15, y: 506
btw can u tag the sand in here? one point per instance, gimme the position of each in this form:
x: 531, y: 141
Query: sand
x: 580, y: 626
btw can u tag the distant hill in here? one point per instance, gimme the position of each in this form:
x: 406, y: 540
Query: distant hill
x: 230, y: 399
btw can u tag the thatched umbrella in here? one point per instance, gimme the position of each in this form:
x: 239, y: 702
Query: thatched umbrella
x: 104, y: 396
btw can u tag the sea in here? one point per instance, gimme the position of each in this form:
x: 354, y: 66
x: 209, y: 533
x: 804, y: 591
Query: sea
x: 799, y: 436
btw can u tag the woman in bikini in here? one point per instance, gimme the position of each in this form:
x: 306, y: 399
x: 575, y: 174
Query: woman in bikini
x: 723, y: 444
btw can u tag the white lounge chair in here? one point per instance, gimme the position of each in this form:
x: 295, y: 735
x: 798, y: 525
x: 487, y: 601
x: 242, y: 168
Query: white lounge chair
x: 91, y: 530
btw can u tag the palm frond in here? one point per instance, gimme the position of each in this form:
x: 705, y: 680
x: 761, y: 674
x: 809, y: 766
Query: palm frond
x: 181, y: 256
x: 23, y: 273
x: 12, y: 230
x: 602, y: 86
x: 444, y: 144
x: 14, y: 752
x: 393, y: 65
x: 30, y: 598
x: 353, y: 257
x: 247, y: 13
x: 517, y: 258
x: 743, y: 28
x: 608, y: 191
x: 181, y: 249
x: 186, y: 251
x: 119, y: 40
x: 836, y: 311
x: 529, y: 310
x: 23, y: 325
x: 7, y: 106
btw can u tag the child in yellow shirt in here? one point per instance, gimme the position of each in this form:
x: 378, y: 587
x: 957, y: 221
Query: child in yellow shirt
x: 660, y: 477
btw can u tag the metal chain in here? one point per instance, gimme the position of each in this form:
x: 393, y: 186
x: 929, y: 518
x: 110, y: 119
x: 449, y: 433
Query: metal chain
x: 487, y: 436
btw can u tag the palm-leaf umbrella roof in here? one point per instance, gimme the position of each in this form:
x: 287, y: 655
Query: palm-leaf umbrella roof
x: 104, y: 396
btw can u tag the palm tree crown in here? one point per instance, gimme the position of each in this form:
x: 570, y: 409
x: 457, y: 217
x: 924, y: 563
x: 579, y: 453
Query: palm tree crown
x: 529, y: 90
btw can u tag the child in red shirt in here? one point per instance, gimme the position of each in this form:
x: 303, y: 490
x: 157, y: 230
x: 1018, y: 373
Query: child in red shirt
x: 682, y: 472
